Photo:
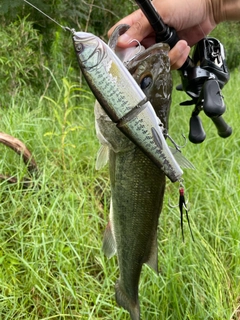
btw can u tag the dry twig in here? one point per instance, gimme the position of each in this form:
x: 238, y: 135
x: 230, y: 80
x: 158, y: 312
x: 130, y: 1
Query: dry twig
x: 20, y: 148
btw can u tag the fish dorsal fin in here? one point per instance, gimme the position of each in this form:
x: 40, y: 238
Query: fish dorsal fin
x: 152, y: 261
x: 102, y: 157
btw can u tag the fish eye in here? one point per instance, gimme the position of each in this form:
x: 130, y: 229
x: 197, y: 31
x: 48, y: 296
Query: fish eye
x: 146, y: 82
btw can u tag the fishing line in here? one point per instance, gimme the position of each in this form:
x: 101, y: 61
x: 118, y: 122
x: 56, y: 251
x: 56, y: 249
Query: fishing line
x: 200, y: 27
x: 29, y: 3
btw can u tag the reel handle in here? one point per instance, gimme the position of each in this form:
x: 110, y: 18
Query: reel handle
x: 197, y: 133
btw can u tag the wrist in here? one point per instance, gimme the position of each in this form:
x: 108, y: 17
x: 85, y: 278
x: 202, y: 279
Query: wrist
x: 225, y: 10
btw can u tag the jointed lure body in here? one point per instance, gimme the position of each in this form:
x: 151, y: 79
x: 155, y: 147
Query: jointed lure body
x: 124, y: 101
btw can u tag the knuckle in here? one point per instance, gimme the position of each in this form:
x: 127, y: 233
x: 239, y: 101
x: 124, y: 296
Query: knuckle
x: 137, y: 26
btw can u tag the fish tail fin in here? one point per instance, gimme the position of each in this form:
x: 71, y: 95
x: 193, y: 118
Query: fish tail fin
x: 124, y: 301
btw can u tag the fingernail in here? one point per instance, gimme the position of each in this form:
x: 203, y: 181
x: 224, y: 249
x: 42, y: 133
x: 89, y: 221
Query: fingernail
x: 182, y: 45
x: 124, y: 39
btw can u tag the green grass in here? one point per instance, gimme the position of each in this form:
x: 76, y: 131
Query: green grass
x: 51, y: 264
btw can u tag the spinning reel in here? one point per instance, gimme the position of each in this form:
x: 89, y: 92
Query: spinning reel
x: 202, y: 77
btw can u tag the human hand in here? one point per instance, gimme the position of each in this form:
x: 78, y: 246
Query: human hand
x: 192, y: 20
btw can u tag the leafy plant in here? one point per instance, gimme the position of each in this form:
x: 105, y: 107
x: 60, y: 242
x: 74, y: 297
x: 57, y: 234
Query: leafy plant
x: 63, y: 110
x: 23, y: 67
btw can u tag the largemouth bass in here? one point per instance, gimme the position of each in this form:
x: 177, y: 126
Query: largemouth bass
x: 137, y: 184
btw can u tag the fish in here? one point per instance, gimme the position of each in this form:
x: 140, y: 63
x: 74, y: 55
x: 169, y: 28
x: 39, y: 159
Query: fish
x: 124, y: 101
x: 131, y: 124
x: 137, y: 184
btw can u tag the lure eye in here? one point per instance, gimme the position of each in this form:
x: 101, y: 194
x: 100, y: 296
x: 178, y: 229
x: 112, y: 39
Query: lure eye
x: 79, y: 47
x: 146, y: 82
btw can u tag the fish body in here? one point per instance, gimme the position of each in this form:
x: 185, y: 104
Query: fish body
x: 124, y: 101
x: 137, y: 184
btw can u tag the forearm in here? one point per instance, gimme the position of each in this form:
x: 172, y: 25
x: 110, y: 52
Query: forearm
x: 226, y: 10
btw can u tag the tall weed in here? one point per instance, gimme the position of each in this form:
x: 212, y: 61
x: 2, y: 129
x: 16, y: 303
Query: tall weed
x: 21, y: 61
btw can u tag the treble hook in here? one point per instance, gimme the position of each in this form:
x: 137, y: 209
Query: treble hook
x: 140, y: 49
x: 178, y: 147
x: 181, y: 185
x: 183, y: 205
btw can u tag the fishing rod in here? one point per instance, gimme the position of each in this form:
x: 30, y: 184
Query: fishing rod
x: 202, y: 77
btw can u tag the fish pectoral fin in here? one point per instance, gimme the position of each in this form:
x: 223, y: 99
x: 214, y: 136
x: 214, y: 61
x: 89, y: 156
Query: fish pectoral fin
x: 152, y: 261
x: 102, y: 157
x: 109, y: 244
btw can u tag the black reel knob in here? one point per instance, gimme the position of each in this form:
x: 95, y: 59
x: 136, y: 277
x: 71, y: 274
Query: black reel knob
x: 196, y: 133
x: 214, y: 107
x: 224, y: 130
x: 213, y: 104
